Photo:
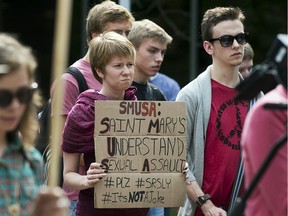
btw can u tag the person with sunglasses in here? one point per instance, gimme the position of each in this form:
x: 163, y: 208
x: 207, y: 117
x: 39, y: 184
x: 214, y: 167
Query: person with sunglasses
x: 21, y: 166
x: 214, y: 118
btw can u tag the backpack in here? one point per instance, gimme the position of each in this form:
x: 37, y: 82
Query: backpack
x: 44, y: 117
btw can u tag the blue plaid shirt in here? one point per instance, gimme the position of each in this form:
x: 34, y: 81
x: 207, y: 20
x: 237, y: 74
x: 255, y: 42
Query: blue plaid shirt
x: 21, y: 175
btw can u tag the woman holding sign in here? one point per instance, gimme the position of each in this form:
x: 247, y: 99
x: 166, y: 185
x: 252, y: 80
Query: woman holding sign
x: 112, y: 59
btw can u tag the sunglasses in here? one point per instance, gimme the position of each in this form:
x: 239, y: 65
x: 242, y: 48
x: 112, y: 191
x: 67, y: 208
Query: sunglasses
x: 23, y: 95
x: 227, y: 40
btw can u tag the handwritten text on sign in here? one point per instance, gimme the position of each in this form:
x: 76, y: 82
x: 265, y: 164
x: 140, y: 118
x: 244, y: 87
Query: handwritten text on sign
x: 140, y: 141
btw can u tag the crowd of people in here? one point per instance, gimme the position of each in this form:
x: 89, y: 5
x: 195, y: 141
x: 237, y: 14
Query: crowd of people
x: 224, y: 136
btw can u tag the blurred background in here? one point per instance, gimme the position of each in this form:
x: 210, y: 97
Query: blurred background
x: 33, y: 23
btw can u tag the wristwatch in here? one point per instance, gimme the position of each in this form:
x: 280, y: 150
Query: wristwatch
x: 202, y: 199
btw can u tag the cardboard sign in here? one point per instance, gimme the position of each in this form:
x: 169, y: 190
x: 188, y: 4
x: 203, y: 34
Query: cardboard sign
x: 144, y: 145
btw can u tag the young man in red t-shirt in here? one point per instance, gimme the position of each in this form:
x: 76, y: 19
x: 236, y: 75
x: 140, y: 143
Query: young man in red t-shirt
x: 214, y: 118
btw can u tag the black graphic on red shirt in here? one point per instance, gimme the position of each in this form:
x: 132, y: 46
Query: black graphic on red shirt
x: 228, y: 138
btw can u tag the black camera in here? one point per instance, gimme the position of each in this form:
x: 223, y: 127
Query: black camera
x: 267, y: 75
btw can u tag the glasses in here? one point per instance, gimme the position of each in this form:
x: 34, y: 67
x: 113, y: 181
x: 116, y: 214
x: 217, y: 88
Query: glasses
x: 23, y: 95
x: 227, y: 40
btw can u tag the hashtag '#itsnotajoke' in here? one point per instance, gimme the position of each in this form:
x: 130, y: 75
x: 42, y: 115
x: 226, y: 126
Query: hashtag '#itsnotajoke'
x: 106, y: 198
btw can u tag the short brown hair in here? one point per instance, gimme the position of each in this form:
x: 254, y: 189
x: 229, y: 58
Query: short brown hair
x: 106, y: 46
x: 216, y: 15
x: 102, y: 14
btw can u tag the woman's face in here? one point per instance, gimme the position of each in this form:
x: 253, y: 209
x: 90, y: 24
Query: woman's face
x: 118, y: 75
x: 11, y: 113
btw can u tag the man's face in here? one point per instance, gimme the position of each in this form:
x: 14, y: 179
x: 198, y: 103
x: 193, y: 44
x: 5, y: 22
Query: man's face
x: 149, y: 57
x: 232, y: 55
x: 246, y: 67
x: 123, y: 28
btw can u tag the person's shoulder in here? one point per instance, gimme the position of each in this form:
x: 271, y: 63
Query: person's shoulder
x: 33, y: 154
x: 278, y: 95
x: 153, y: 87
x: 158, y: 94
x: 191, y: 90
x: 34, y: 157
x: 65, y: 78
x: 80, y: 63
x: 88, y: 97
x: 164, y: 76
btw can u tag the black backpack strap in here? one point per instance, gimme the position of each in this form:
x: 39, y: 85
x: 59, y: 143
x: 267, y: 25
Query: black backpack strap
x: 82, y: 84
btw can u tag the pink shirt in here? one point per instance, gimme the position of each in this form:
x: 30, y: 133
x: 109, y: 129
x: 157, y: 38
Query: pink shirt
x: 261, y: 131
x: 71, y: 92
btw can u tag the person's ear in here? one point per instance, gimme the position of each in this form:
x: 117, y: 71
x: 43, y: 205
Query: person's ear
x: 94, y: 34
x: 209, y: 48
x: 99, y: 73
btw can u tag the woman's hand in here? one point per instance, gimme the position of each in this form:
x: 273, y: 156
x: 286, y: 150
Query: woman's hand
x: 95, y: 173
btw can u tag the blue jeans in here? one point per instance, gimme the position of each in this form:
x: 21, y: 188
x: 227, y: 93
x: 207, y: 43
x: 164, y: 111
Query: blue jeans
x: 156, y: 212
x: 73, y: 208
